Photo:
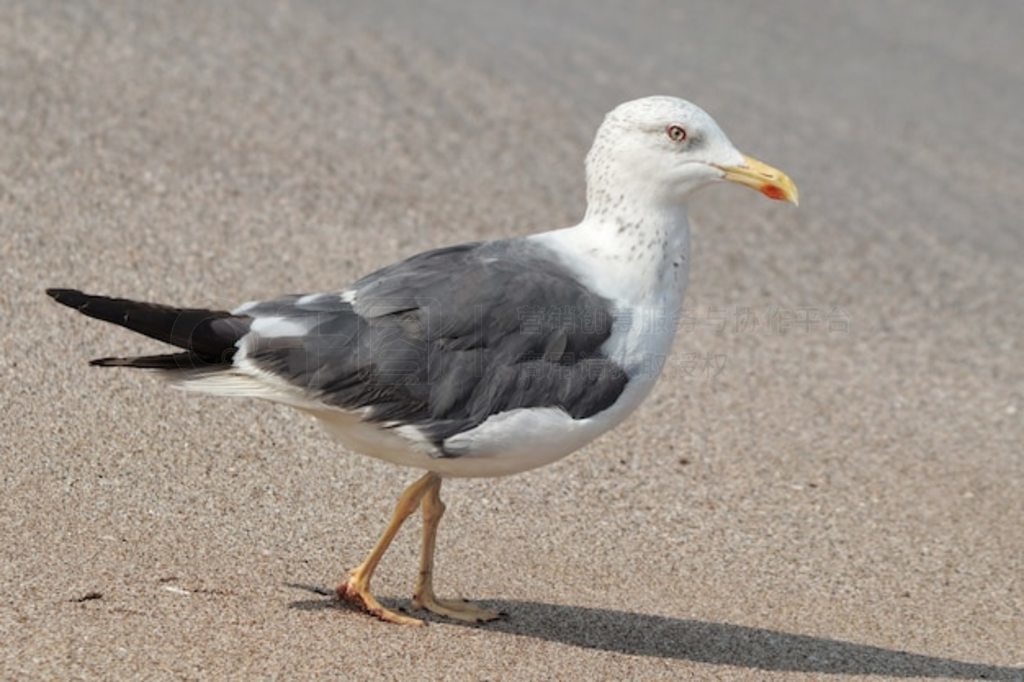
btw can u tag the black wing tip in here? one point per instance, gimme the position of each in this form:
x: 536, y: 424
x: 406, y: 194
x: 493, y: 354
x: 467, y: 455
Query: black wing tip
x: 186, y: 361
x: 69, y: 297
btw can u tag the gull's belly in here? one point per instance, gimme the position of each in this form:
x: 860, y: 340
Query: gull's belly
x: 504, y: 444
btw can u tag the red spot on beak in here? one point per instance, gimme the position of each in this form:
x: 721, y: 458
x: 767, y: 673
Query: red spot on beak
x: 773, y: 192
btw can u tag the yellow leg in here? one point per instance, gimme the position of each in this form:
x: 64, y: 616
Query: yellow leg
x: 423, y: 597
x: 356, y: 589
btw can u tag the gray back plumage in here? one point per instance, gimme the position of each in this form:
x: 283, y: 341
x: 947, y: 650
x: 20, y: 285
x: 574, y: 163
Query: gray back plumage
x: 420, y: 337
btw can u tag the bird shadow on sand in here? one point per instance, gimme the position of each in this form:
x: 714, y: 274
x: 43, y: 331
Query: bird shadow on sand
x: 702, y: 641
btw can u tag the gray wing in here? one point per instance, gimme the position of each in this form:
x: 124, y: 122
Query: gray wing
x: 446, y: 339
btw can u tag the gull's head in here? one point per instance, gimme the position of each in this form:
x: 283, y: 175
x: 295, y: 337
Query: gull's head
x: 664, y: 148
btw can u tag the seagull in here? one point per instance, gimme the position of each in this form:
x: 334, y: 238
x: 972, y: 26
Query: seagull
x: 481, y: 359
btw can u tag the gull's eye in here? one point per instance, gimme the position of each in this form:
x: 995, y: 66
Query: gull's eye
x: 676, y: 133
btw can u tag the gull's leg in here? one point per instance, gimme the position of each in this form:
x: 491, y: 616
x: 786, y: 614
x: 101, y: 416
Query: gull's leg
x: 423, y: 597
x: 357, y: 588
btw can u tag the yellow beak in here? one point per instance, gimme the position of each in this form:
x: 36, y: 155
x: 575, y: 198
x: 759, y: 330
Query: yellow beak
x: 769, y: 181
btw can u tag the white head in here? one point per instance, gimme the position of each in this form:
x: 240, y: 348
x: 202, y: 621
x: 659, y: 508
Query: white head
x: 660, y: 149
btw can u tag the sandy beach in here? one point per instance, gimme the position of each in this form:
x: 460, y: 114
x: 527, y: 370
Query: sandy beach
x: 828, y: 480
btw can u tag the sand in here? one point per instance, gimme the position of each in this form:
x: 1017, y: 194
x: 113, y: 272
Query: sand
x: 827, y: 480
